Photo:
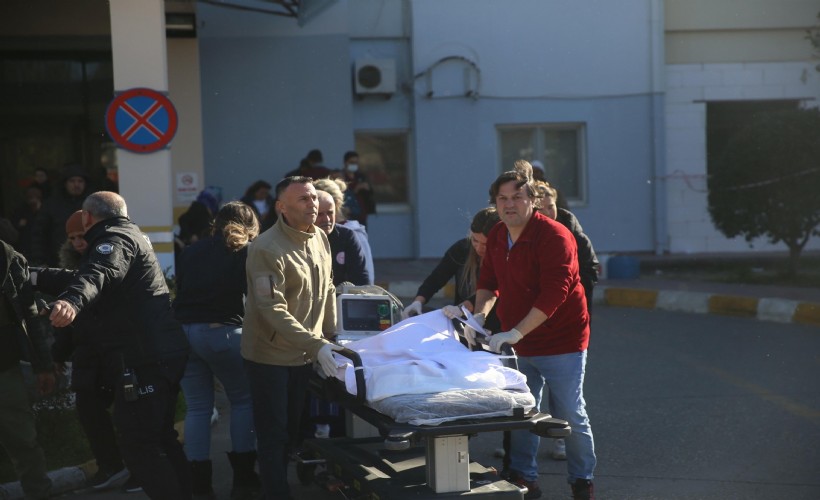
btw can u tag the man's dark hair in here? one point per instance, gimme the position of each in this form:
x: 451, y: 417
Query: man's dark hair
x: 349, y: 155
x: 287, y: 181
x: 105, y: 205
x: 520, y: 178
x: 315, y: 156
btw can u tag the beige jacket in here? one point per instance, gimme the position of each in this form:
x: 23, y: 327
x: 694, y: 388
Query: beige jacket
x: 291, y: 300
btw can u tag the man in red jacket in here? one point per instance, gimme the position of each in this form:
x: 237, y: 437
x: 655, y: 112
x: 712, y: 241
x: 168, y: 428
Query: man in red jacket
x: 531, y: 268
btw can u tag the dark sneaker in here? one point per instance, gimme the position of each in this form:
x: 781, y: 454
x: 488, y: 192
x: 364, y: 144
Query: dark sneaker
x: 582, y: 490
x: 131, y: 486
x: 533, y: 490
x: 105, y: 479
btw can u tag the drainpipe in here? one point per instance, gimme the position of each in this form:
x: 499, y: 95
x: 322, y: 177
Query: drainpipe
x: 657, y: 123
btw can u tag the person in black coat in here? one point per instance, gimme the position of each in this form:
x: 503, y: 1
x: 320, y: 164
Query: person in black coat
x: 258, y: 197
x: 48, y: 229
x: 78, y: 343
x: 121, y: 286
x: 587, y: 260
x: 462, y: 261
x: 345, y: 250
x: 210, y: 304
x: 22, y: 337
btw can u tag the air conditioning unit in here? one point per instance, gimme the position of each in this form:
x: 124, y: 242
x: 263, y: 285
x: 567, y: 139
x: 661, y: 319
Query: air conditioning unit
x: 375, y: 76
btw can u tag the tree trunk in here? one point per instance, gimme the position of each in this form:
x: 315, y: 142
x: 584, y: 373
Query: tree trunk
x: 794, y: 258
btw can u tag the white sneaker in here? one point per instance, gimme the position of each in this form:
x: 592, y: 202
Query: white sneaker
x: 322, y: 431
x: 214, y: 417
x: 559, y: 450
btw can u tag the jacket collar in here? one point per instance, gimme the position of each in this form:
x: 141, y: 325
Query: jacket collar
x: 294, y: 234
x: 102, y: 226
x: 529, y: 228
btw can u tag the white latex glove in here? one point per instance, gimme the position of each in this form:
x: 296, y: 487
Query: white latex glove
x: 511, y: 337
x: 413, y: 309
x: 469, y: 333
x: 452, y: 311
x: 325, y: 359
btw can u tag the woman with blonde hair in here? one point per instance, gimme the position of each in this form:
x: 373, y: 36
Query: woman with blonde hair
x: 462, y: 261
x: 210, y: 304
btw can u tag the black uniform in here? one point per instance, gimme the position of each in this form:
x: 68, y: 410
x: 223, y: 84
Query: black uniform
x: 587, y: 261
x: 120, y: 288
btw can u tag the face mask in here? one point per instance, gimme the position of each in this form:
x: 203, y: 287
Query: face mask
x: 352, y: 167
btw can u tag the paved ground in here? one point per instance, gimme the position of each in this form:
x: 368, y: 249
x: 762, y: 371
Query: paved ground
x: 770, y: 304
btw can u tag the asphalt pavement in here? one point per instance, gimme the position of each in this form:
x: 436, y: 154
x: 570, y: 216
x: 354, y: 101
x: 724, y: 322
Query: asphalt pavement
x: 766, y: 304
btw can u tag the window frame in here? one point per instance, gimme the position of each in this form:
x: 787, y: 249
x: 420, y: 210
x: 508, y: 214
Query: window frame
x: 392, y: 207
x: 580, y: 129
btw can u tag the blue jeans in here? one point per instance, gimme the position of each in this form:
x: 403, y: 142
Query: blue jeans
x: 278, y: 399
x: 215, y: 352
x: 564, y: 376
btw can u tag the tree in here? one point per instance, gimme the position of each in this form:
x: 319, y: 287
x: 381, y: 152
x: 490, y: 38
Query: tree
x: 767, y: 181
x: 813, y: 36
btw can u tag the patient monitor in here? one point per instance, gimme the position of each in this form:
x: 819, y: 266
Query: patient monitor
x: 363, y: 311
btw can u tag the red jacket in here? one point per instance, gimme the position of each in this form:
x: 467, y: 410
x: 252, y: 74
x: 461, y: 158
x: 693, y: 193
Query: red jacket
x: 540, y: 270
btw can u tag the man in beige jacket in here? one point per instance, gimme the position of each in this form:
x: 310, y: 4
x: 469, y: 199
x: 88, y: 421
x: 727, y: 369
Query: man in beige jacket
x: 290, y: 306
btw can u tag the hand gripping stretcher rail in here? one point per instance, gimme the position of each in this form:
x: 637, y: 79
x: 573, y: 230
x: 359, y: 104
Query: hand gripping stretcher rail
x: 385, y: 459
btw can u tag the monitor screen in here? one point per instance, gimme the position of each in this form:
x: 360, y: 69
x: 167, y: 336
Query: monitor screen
x: 360, y: 314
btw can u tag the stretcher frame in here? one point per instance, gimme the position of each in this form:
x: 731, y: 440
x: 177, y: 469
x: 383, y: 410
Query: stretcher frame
x: 446, y: 452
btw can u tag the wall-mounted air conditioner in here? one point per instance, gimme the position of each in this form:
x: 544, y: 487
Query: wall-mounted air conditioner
x: 375, y: 76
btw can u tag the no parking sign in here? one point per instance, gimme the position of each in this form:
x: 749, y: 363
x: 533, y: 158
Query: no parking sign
x: 141, y: 120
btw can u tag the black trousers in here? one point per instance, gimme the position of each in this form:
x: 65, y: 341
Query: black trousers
x: 145, y: 427
x: 92, y: 410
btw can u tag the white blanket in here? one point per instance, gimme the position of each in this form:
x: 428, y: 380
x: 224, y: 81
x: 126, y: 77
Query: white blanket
x: 422, y: 355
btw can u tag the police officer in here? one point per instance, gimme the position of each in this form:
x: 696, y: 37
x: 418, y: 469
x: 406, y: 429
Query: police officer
x: 123, y: 288
x: 22, y: 336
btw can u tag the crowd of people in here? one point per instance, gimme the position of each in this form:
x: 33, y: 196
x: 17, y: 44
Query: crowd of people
x: 255, y: 310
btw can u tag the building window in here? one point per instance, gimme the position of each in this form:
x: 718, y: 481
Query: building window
x: 383, y: 158
x: 560, y: 147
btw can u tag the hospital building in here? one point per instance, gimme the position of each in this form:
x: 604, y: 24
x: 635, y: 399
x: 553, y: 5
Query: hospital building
x: 622, y: 101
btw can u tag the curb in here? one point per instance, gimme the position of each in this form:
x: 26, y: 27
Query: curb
x: 62, y: 481
x: 765, y: 309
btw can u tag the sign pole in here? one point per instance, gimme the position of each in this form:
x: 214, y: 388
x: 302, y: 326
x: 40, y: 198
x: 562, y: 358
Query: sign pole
x: 140, y: 62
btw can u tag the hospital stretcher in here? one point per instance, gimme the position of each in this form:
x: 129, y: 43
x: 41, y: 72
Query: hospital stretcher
x: 399, y: 460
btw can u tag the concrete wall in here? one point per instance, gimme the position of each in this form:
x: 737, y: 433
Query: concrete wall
x: 699, y: 33
x: 379, y: 30
x: 714, y: 31
x: 540, y: 62
x: 690, y: 86
x: 184, y: 88
x: 272, y: 91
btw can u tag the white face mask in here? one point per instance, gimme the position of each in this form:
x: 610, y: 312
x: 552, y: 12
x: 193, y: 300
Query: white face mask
x: 352, y: 167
